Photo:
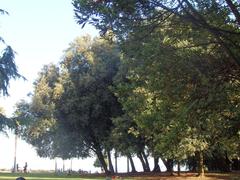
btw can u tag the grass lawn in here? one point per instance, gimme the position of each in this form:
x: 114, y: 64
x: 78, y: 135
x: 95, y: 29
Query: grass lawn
x: 160, y: 176
x: 41, y: 176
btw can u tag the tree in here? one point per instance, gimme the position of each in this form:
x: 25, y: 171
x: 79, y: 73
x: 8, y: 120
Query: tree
x: 8, y: 68
x: 89, y: 105
x: 3, y: 119
x: 218, y: 18
x: 37, y: 124
x: 128, y: 141
x: 176, y: 96
x: 181, y: 57
x: 39, y: 112
x: 72, y: 105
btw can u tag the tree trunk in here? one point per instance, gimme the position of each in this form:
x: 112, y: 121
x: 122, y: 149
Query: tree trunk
x: 56, y: 168
x: 228, y: 163
x: 146, y: 161
x: 169, y: 165
x: 110, y: 162
x: 132, y: 163
x: 15, y: 169
x: 235, y: 164
x: 127, y: 165
x: 139, y: 155
x: 116, y: 167
x: 63, y: 165
x: 101, y: 159
x: 200, y: 164
x: 178, y: 168
x: 156, y: 165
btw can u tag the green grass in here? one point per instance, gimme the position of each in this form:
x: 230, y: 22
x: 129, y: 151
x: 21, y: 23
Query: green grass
x: 184, y: 176
x: 41, y: 176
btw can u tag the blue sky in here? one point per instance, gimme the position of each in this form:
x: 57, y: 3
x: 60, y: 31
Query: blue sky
x: 39, y: 31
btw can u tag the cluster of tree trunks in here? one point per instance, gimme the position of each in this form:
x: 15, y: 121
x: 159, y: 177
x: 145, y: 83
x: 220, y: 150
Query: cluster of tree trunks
x: 195, y: 164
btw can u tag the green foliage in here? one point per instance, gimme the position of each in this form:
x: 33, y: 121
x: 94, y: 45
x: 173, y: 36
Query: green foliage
x: 3, y: 120
x: 88, y: 102
x: 125, y: 136
x: 87, y: 105
x: 72, y: 106
x: 8, y: 68
x: 179, y: 79
x: 8, y: 71
x: 177, y: 84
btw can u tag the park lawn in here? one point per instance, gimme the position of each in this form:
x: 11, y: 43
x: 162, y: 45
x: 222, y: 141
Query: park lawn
x: 161, y: 176
x: 43, y: 176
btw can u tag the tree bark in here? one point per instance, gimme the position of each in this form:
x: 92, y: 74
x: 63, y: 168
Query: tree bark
x: 111, y: 169
x: 178, y: 168
x: 132, y: 163
x: 100, y: 156
x: 168, y: 164
x: 139, y: 155
x: 116, y: 167
x: 156, y: 165
x: 200, y: 164
x: 228, y: 163
x: 236, y: 164
x: 146, y: 161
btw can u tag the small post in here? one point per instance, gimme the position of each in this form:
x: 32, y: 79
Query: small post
x: 63, y: 165
x: 15, y: 153
x: 71, y: 165
x: 56, y: 170
x: 15, y: 147
x: 178, y: 168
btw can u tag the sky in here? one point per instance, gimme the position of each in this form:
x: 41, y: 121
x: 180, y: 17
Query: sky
x: 39, y: 31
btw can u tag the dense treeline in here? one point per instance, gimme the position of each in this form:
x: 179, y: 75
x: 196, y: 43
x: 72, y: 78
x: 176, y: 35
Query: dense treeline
x: 164, y: 83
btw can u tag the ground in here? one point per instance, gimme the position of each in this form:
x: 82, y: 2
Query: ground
x: 138, y: 176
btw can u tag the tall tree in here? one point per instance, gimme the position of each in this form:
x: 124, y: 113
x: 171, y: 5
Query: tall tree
x: 72, y: 105
x: 40, y: 128
x: 8, y: 68
x: 182, y: 59
x: 128, y: 141
x: 178, y: 94
x: 8, y: 71
x: 87, y: 105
